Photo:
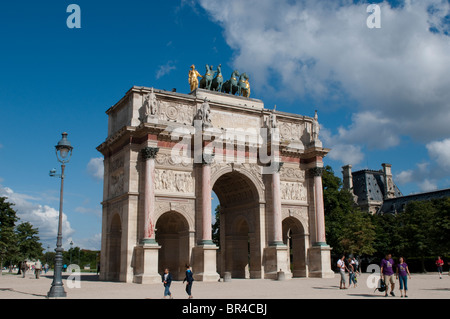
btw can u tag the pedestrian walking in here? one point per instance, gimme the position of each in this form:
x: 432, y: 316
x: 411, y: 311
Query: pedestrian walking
x: 342, y: 267
x: 23, y: 267
x: 439, y: 265
x: 167, y: 281
x: 46, y: 268
x: 387, y: 271
x: 351, y: 273
x: 402, y: 274
x: 37, y: 269
x: 189, y: 279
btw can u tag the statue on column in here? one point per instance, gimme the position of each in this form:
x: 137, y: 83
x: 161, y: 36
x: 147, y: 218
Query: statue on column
x: 204, y: 115
x: 149, y: 107
x: 315, y: 131
x: 193, y: 78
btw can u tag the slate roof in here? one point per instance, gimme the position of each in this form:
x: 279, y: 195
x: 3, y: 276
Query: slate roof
x: 397, y: 205
x: 368, y: 185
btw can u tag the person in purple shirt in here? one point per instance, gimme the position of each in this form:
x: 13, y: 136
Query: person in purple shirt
x: 387, y: 273
x: 402, y: 274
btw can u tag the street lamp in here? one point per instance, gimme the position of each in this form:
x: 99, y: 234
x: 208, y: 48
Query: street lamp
x: 71, y: 249
x: 63, y: 154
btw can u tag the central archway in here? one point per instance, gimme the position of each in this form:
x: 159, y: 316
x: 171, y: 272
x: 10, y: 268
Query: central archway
x: 239, y: 248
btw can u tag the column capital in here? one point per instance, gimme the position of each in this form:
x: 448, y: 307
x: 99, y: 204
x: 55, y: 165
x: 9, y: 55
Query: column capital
x: 278, y: 166
x: 207, y: 159
x: 149, y: 152
x: 316, y: 171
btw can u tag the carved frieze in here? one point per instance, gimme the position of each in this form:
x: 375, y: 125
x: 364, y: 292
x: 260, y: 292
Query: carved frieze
x: 174, y: 181
x: 290, y: 131
x: 116, y: 177
x: 175, y: 112
x: 173, y: 160
x: 293, y: 191
x: 292, y: 174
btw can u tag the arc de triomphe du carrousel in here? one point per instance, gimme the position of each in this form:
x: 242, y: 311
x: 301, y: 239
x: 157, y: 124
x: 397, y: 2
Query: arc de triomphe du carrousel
x: 166, y: 152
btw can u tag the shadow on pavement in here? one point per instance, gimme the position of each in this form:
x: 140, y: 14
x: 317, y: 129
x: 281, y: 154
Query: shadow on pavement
x: 22, y: 292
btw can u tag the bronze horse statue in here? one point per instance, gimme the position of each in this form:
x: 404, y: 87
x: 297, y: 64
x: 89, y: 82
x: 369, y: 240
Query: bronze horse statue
x: 231, y: 86
x: 207, y: 79
x: 244, y: 85
x: 217, y: 83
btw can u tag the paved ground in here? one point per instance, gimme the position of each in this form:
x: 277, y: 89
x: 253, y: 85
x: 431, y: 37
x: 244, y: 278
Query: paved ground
x: 424, y: 286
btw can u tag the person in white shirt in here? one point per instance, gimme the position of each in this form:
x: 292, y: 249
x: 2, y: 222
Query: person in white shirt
x: 342, y: 267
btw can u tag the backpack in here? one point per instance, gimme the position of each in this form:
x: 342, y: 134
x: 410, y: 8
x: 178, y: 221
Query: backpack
x: 381, y: 286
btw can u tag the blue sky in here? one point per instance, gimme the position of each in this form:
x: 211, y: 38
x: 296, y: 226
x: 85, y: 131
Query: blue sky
x: 382, y: 94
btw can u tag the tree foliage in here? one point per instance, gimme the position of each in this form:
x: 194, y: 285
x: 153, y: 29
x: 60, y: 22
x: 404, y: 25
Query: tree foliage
x: 17, y: 242
x: 348, y: 230
x: 420, y: 231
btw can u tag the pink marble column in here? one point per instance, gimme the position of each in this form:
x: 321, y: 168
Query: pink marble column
x: 277, y: 218
x: 206, y: 200
x: 149, y: 154
x: 319, y: 205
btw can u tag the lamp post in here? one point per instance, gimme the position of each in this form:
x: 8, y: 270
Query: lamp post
x: 63, y: 154
x: 71, y: 249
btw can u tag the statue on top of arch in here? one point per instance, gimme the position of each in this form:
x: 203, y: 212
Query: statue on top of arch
x: 213, y: 80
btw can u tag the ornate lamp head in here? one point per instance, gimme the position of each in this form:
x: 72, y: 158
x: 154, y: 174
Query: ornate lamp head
x: 64, y: 149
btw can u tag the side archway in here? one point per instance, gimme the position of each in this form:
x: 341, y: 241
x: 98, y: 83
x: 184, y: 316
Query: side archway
x: 294, y: 238
x: 114, y: 248
x: 172, y: 234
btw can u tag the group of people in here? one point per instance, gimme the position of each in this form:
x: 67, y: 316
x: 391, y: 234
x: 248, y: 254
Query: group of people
x: 167, y: 281
x: 37, y: 267
x: 402, y: 274
x: 352, y: 267
x: 387, y: 272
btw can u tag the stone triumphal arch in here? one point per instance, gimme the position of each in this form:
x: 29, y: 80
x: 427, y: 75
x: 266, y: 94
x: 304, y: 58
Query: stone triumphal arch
x: 164, y: 155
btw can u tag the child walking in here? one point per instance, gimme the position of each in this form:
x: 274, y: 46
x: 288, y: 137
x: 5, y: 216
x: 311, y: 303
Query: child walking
x: 167, y: 280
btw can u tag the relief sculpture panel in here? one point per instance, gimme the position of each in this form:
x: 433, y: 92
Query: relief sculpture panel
x: 174, y: 181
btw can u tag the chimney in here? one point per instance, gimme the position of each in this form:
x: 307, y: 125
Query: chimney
x: 389, y: 191
x: 347, y: 177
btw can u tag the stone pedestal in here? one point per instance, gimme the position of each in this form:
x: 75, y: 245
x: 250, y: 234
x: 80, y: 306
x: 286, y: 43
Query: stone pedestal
x: 146, y: 264
x: 276, y: 260
x: 320, y: 262
x: 205, y: 263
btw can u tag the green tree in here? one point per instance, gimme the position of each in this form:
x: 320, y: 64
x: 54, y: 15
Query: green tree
x: 348, y: 230
x: 28, y: 241
x: 417, y: 226
x: 8, y: 219
x: 216, y: 228
x: 441, y: 230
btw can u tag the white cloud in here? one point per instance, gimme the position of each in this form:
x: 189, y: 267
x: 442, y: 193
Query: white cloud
x: 347, y: 154
x: 440, y: 152
x: 43, y: 217
x: 95, y: 168
x: 92, y: 243
x: 323, y: 49
x: 426, y: 174
x: 428, y: 185
x: 165, y: 69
